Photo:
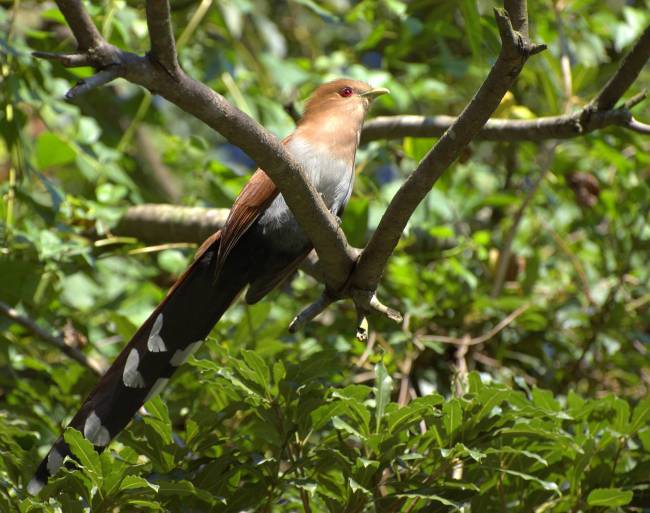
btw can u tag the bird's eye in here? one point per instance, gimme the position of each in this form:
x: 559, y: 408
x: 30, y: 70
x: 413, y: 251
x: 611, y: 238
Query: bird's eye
x: 346, y: 91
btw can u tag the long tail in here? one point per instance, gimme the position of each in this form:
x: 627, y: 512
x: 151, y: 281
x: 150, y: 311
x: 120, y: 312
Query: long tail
x: 168, y: 337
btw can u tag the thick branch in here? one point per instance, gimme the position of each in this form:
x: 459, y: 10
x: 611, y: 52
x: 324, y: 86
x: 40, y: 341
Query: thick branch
x: 539, y: 129
x: 518, y: 13
x: 199, y: 100
x: 514, y: 53
x: 161, y: 35
x: 627, y: 73
x: 43, y: 334
x: 83, y: 28
x: 157, y: 224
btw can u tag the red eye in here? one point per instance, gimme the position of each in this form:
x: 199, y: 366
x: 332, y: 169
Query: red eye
x: 345, y: 92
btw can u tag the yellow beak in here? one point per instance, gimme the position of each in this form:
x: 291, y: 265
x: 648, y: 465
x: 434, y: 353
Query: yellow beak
x: 374, y: 92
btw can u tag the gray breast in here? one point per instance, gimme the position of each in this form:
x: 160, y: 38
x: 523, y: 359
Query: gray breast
x: 332, y: 179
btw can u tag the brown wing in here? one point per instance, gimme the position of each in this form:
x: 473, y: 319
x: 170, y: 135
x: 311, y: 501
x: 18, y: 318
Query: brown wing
x: 254, y: 198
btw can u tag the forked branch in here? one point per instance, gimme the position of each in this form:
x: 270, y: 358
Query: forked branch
x: 158, y: 71
x: 515, y: 50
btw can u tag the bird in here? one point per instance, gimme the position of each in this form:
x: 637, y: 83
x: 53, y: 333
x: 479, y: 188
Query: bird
x: 260, y: 245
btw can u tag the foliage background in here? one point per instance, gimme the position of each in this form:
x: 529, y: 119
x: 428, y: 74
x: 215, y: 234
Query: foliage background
x: 552, y: 412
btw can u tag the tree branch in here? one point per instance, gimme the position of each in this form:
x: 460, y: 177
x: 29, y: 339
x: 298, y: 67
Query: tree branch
x: 43, y: 334
x: 539, y: 129
x: 83, y: 28
x: 466, y: 340
x: 518, y: 12
x: 627, y: 73
x: 161, y: 35
x: 69, y: 60
x: 161, y: 224
x: 159, y: 72
x: 99, y: 79
x: 197, y: 99
x: 637, y: 126
x: 598, y: 114
x: 157, y: 224
x: 515, y: 51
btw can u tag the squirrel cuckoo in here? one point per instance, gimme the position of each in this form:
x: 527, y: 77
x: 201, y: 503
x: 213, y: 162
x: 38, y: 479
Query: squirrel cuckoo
x: 260, y: 245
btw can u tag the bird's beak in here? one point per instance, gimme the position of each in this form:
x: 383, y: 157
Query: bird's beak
x: 374, y: 92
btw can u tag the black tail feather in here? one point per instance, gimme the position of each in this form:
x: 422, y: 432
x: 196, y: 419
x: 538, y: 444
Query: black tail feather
x: 167, y: 338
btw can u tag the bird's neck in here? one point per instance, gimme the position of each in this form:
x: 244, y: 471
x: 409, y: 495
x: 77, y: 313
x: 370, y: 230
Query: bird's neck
x: 334, y: 131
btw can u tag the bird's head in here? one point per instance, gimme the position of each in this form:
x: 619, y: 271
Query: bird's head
x: 342, y: 98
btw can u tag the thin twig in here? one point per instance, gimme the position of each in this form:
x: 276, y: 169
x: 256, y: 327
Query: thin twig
x: 598, y: 114
x: 372, y: 337
x: 405, y: 368
x: 467, y: 341
x: 69, y: 60
x: 161, y: 247
x: 633, y: 101
x: 310, y: 312
x: 45, y: 336
x: 639, y: 127
x: 97, y: 80
x: 564, y: 247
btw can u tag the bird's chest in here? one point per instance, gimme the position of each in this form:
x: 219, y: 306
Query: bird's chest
x: 331, y: 176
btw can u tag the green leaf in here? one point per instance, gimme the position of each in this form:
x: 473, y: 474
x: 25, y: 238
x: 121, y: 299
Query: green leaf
x: 259, y: 367
x: 490, y: 398
x: 544, y: 399
x: 546, y: 485
x: 51, y: 151
x: 427, y: 494
x: 85, y: 453
x: 452, y: 416
x: 279, y: 372
x: 158, y: 419
x: 356, y: 487
x: 383, y: 389
x: 518, y: 452
x: 184, y: 488
x: 609, y: 497
x: 341, y: 425
x: 640, y: 415
x: 417, y: 148
x: 136, y: 482
x: 413, y: 412
x: 324, y: 413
